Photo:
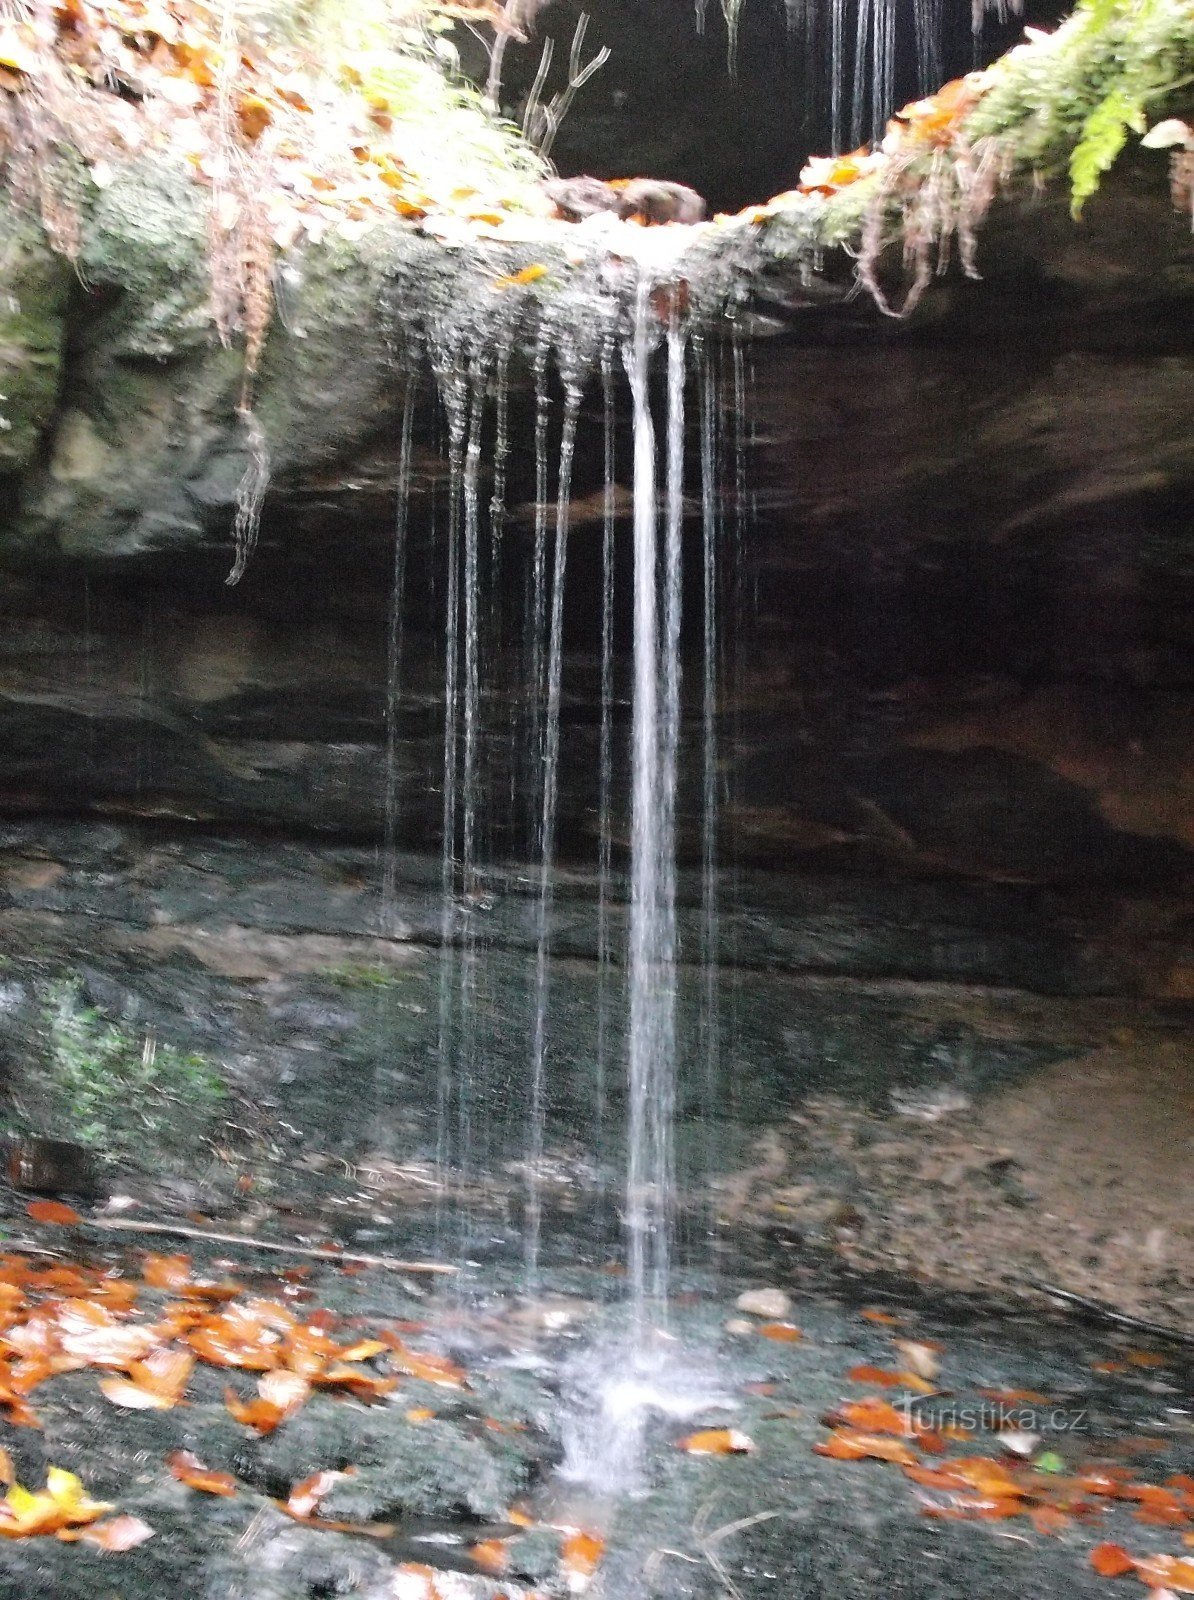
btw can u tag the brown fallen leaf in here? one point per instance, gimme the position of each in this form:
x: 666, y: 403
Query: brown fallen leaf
x: 55, y: 1211
x: 849, y: 1444
x: 305, y: 1497
x: 188, y: 1469
x: 118, y: 1534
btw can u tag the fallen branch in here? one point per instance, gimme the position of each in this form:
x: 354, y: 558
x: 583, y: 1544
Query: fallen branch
x: 176, y: 1230
x: 1106, y: 1313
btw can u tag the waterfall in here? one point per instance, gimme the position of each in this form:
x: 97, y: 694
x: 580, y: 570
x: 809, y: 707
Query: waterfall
x: 710, y: 1020
x: 652, y: 938
x: 394, y: 644
x: 547, y: 833
x: 605, y: 756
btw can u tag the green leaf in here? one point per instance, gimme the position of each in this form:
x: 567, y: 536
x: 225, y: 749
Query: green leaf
x: 1050, y: 1461
x: 1104, y: 134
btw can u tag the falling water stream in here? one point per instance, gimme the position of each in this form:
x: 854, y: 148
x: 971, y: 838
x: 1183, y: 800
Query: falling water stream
x: 626, y: 1376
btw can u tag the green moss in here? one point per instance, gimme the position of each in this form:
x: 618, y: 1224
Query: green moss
x: 34, y: 289
x: 114, y: 1092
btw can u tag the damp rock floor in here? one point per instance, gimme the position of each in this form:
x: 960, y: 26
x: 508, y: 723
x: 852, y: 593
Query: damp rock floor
x: 449, y: 1482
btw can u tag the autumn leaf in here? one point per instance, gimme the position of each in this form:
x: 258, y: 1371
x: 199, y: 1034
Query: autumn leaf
x: 1111, y: 1560
x: 167, y: 1272
x: 490, y: 1555
x: 63, y: 1503
x: 716, y: 1442
x: 883, y: 1319
x: 305, y: 1497
x: 418, y: 1364
x: 878, y: 1375
x: 515, y: 280
x: 872, y: 1415
x: 122, y: 1392
x: 52, y: 1211
x: 1175, y: 1573
x: 919, y: 1357
x: 188, y: 1469
x: 119, y: 1534
x: 849, y: 1444
x: 581, y: 1554
x: 781, y: 1332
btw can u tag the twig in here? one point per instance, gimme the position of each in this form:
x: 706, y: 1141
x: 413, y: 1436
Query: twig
x: 177, y: 1231
x: 1106, y: 1313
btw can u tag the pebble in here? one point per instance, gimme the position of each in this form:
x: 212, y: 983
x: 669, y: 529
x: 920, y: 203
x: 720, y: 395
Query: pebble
x: 739, y: 1327
x: 770, y: 1303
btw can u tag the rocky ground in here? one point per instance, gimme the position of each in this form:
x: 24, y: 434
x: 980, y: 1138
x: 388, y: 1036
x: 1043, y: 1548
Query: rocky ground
x: 478, y: 1465
x: 1076, y: 1177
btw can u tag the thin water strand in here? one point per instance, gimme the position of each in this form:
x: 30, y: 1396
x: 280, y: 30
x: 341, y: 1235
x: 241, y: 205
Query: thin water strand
x: 710, y: 1021
x: 547, y: 835
x: 605, y: 754
x: 395, y: 639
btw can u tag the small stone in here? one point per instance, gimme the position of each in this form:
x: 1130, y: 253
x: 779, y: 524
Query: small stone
x: 739, y: 1327
x: 1019, y: 1442
x: 769, y: 1303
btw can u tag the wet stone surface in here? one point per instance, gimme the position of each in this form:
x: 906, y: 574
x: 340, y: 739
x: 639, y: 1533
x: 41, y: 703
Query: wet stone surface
x: 779, y: 1521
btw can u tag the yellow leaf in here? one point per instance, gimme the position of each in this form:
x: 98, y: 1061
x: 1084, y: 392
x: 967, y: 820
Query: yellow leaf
x: 530, y: 274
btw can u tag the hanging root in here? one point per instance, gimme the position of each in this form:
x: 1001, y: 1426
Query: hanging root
x: 250, y: 491
x: 935, y: 199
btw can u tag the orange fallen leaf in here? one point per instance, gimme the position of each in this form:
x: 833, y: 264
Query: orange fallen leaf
x: 490, y: 1555
x: 879, y: 1375
x: 188, y: 1469
x: 123, y: 1392
x: 873, y: 1415
x: 716, y: 1442
x: 52, y: 1211
x: 582, y: 1553
x: 167, y: 1272
x: 884, y: 1319
x: 1175, y: 1573
x: 7, y: 1470
x: 118, y: 1534
x: 306, y: 1496
x: 970, y: 1472
x: 781, y: 1332
x: 420, y: 1414
x: 848, y: 1444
